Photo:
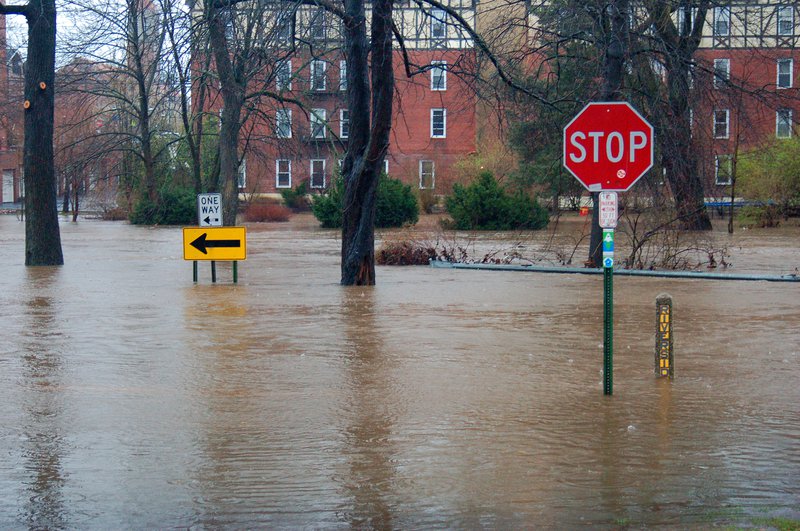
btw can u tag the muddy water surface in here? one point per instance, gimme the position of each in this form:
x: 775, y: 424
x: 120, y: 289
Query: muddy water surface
x: 132, y: 397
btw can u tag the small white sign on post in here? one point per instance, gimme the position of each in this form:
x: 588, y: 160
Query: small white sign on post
x: 608, y: 210
x: 209, y: 210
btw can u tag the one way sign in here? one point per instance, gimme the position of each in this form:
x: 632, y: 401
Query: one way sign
x: 209, y: 210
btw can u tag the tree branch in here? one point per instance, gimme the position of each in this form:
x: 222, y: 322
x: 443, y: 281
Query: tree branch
x: 14, y: 10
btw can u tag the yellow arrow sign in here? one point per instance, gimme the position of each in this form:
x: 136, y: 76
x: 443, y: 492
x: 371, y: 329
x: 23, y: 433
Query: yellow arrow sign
x: 214, y: 243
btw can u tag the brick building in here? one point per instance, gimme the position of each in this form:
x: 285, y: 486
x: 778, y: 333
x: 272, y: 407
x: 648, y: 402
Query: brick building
x: 747, y: 76
x: 11, y: 121
x: 434, y: 110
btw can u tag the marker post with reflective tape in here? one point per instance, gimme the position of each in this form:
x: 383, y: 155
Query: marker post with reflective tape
x: 664, y: 355
x: 608, y: 311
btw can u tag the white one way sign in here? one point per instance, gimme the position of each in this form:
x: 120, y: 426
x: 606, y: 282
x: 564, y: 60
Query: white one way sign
x: 209, y: 210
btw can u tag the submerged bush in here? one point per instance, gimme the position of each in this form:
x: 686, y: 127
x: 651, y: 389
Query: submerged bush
x: 256, y: 212
x: 173, y: 206
x: 295, y: 198
x: 485, y: 205
x: 395, y: 204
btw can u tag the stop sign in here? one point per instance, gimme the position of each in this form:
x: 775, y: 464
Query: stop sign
x: 608, y: 146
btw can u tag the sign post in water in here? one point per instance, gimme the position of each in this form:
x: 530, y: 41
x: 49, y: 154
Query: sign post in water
x: 608, y: 146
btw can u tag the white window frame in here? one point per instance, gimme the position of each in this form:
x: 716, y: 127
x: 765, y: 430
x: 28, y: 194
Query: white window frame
x: 722, y: 72
x: 422, y: 163
x: 283, y: 119
x: 241, y: 174
x: 438, y: 26
x: 783, y: 119
x: 284, y: 23
x: 781, y: 17
x: 718, y: 161
x: 344, y: 124
x: 283, y: 75
x: 722, y: 14
x: 318, y: 74
x: 318, y: 119
x: 386, y: 166
x: 434, y: 132
x: 317, y: 25
x: 788, y: 76
x: 682, y: 22
x: 343, y: 75
x: 727, y: 122
x: 311, y: 173
x: 287, y: 173
x: 439, y: 76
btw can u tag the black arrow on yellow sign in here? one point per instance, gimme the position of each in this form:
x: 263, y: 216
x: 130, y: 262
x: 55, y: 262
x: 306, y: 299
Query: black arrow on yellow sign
x: 201, y: 243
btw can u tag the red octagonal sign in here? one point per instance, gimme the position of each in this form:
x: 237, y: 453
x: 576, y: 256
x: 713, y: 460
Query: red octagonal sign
x: 608, y: 146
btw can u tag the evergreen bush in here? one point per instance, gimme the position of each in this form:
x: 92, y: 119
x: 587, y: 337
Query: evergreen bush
x: 485, y: 205
x: 295, y: 198
x: 395, y: 204
x: 174, y: 206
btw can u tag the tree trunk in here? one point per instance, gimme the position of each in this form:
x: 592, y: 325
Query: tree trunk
x: 75, y: 203
x: 42, y: 234
x: 616, y: 46
x: 678, y: 157
x: 369, y: 134
x: 233, y: 99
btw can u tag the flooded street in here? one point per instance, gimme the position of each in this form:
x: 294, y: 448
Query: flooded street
x: 133, y: 398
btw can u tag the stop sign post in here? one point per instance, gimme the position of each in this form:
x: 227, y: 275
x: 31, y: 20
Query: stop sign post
x: 608, y: 146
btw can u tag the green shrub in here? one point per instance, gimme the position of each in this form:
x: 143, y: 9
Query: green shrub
x: 485, y: 205
x: 328, y: 208
x: 174, y: 206
x: 759, y: 216
x: 395, y: 204
x: 295, y: 198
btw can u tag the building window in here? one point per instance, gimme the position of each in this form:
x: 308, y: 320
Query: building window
x: 783, y: 123
x: 283, y: 75
x: 344, y: 124
x: 438, y: 27
x: 722, y: 72
x: 318, y: 78
x: 318, y: 173
x: 438, y: 123
x: 721, y: 123
x: 722, y: 21
x: 686, y: 17
x: 785, y: 20
x: 427, y: 175
x: 785, y: 73
x: 386, y: 166
x: 723, y: 170
x: 283, y: 173
x: 283, y: 123
x: 342, y: 75
x: 318, y: 126
x: 317, y: 25
x: 438, y: 75
x: 284, y: 24
x: 241, y: 177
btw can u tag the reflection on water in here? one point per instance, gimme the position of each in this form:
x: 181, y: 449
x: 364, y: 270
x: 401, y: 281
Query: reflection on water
x: 368, y: 444
x: 43, y: 444
x: 135, y: 398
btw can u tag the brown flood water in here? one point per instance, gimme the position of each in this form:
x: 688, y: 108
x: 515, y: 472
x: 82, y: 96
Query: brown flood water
x: 133, y: 398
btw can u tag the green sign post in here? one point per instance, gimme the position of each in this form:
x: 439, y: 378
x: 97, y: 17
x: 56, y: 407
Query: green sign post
x: 608, y: 146
x: 608, y: 311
